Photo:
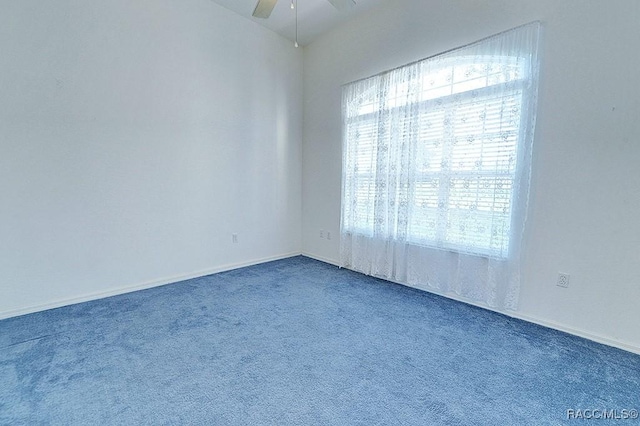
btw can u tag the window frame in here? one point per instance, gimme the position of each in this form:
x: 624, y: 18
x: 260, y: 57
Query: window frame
x: 516, y: 88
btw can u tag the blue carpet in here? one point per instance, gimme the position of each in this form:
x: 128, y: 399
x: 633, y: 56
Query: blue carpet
x: 299, y: 342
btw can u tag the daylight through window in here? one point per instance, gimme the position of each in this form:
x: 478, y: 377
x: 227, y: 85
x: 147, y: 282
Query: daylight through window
x: 431, y: 151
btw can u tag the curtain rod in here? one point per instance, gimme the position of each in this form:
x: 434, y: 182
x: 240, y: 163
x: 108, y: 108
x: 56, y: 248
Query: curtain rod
x: 444, y: 52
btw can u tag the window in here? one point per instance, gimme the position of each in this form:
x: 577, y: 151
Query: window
x: 433, y: 150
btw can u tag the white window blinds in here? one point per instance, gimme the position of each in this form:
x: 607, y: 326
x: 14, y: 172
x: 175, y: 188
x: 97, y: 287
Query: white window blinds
x: 437, y: 153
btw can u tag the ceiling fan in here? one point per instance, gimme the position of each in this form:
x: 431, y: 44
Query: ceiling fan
x: 265, y: 7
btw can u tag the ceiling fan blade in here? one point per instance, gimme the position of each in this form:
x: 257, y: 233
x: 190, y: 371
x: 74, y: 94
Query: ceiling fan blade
x: 264, y: 8
x: 342, y: 5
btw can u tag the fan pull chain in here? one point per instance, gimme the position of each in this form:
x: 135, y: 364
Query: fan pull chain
x: 295, y: 6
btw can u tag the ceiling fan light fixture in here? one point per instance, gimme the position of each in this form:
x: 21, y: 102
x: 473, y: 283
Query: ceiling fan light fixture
x: 264, y: 8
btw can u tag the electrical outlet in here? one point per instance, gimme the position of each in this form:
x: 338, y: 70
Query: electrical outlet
x: 563, y: 280
x: 328, y: 235
x: 321, y: 233
x: 234, y: 238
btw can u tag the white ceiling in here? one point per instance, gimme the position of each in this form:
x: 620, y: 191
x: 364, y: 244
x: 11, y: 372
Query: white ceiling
x: 315, y: 17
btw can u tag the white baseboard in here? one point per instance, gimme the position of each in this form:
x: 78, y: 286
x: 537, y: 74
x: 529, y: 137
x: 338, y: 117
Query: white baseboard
x: 322, y: 259
x: 529, y: 318
x: 170, y: 280
x: 577, y: 332
x: 544, y: 323
x: 140, y: 286
x: 548, y: 324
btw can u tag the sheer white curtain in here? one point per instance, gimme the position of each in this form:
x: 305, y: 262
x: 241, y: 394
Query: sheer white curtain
x: 436, y: 169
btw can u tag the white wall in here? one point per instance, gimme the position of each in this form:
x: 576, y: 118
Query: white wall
x: 586, y: 183
x: 135, y: 138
